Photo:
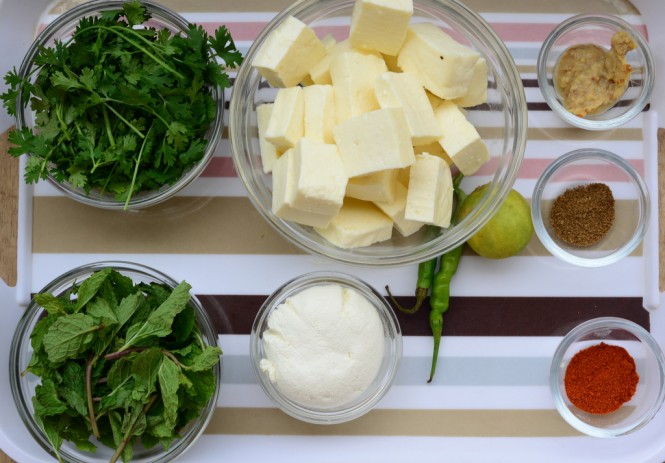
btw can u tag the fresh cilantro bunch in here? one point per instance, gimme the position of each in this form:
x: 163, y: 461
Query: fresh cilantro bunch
x: 120, y: 107
x: 119, y: 361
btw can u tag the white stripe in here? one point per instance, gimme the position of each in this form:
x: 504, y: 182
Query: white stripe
x: 543, y: 276
x: 544, y: 18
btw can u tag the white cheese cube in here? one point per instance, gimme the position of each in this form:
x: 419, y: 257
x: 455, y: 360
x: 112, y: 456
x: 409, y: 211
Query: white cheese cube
x: 320, y: 72
x: 403, y: 176
x: 378, y: 186
x: 477, y: 91
x: 391, y: 63
x: 289, y: 53
x: 353, y: 75
x: 282, y: 192
x: 380, y: 25
x: 435, y: 149
x: 395, y: 210
x: 374, y: 141
x: 460, y: 139
x: 434, y: 100
x: 328, y: 42
x: 359, y: 223
x: 430, y: 195
x: 318, y: 178
x: 286, y: 125
x: 444, y: 65
x: 268, y: 151
x: 319, y: 103
x: 404, y: 90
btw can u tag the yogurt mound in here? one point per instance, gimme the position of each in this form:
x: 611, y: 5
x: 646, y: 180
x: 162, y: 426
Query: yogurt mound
x: 323, y: 346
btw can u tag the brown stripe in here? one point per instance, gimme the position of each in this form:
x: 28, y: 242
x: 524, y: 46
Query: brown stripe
x: 182, y: 225
x: 189, y: 225
x: 394, y: 422
x: 467, y: 316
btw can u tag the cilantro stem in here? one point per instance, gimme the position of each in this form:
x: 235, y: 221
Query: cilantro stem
x: 121, y: 32
x: 130, y: 432
x: 136, y: 168
x: 129, y: 124
x: 109, y: 132
x: 88, y: 393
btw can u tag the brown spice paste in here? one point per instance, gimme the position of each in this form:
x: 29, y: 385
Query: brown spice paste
x: 591, y: 79
x: 601, y: 378
x: 582, y: 215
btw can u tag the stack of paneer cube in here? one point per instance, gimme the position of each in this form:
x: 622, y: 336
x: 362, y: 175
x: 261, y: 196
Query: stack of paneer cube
x: 362, y: 132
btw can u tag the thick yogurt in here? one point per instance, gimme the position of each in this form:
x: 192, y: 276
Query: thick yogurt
x: 323, y: 346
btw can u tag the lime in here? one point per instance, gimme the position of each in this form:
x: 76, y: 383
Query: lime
x: 508, y: 231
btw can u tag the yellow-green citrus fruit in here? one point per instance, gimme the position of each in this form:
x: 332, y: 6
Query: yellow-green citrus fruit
x: 508, y: 231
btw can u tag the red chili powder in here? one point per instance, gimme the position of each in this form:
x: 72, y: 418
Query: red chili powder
x: 601, y: 378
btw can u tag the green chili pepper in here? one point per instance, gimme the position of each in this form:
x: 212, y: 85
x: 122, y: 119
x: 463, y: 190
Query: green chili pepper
x: 440, y: 296
x: 425, y: 275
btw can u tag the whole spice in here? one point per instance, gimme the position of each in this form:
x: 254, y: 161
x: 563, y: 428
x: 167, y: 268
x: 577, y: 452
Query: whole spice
x: 583, y: 215
x: 601, y: 378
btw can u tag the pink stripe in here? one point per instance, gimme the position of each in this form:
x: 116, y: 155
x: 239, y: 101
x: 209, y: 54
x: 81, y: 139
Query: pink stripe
x: 220, y: 167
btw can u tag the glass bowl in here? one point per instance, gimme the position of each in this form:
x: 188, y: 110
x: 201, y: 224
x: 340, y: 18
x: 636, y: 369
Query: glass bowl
x: 582, y: 167
x: 61, y: 29
x: 650, y: 364
x: 597, y: 29
x: 502, y: 123
x: 23, y: 385
x: 392, y: 350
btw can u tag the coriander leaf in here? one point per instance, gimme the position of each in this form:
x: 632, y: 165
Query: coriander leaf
x: 168, y: 375
x: 69, y: 336
x: 145, y: 368
x: 160, y: 320
x: 208, y: 358
x: 225, y: 48
x: 135, y: 12
x: 46, y: 400
x: 59, y: 79
x: 90, y: 286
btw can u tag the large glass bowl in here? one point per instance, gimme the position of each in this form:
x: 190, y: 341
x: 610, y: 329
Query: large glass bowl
x: 502, y: 123
x: 23, y: 385
x: 62, y: 28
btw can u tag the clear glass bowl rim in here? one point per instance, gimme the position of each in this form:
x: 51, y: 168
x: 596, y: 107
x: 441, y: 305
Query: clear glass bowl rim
x: 22, y: 336
x: 539, y: 221
x: 550, y: 95
x: 455, y: 235
x: 148, y: 198
x: 294, y: 285
x: 570, y: 338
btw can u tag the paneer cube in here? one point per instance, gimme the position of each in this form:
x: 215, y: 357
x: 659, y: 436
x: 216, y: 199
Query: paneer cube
x: 444, y: 65
x: 374, y: 141
x: 288, y: 54
x: 286, y: 124
x: 378, y: 186
x: 430, y: 195
x: 395, y: 210
x: 380, y: 25
x: 353, y: 75
x: 320, y: 72
x: 358, y: 223
x: 460, y: 139
x: 404, y: 90
x: 319, y: 103
x: 477, y: 92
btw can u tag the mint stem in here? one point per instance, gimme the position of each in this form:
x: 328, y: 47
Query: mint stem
x: 88, y: 393
x: 122, y: 353
x: 128, y: 435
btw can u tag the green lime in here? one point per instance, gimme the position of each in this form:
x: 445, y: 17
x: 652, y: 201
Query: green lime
x: 508, y: 231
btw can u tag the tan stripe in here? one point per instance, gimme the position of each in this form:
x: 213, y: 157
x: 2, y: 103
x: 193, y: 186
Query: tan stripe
x: 9, y: 176
x: 484, y: 6
x: 183, y: 225
x: 190, y: 225
x: 568, y: 133
x: 382, y: 422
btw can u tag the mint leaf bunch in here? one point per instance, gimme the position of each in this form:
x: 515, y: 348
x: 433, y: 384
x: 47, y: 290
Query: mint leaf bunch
x: 119, y: 361
x: 121, y: 107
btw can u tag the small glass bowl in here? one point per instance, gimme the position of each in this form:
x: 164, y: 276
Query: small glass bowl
x: 631, y: 197
x: 61, y: 29
x: 23, y: 386
x: 650, y: 364
x: 597, y: 29
x: 501, y: 122
x: 392, y: 352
